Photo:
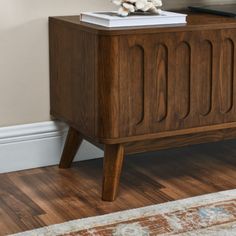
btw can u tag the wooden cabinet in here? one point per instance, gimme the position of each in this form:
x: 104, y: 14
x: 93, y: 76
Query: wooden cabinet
x: 142, y: 88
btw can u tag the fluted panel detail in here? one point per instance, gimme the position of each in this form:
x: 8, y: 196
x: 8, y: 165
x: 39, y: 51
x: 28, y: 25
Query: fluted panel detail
x: 227, y: 76
x: 182, y: 81
x: 160, y: 101
x: 205, y: 78
x: 136, y: 81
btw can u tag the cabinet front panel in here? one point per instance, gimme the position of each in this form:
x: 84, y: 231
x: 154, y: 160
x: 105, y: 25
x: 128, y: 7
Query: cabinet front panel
x: 173, y: 81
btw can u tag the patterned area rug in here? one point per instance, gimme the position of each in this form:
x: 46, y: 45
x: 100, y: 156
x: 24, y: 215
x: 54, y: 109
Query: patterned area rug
x: 212, y: 214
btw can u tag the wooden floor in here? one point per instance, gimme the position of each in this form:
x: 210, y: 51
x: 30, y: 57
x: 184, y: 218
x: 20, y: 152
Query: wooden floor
x: 44, y: 196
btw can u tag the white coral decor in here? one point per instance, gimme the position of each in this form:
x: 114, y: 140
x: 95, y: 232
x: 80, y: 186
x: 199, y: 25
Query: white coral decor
x: 129, y: 6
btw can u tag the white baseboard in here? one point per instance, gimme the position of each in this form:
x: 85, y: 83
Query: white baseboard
x: 37, y: 145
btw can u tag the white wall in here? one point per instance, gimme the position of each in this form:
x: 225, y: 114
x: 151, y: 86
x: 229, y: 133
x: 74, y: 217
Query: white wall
x: 24, y: 72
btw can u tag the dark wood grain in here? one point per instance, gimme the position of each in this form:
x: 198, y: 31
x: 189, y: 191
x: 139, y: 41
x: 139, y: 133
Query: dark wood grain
x: 179, y: 140
x: 113, y: 161
x: 144, y: 87
x: 34, y: 198
x: 73, y: 142
x: 107, y: 99
x: 72, y: 83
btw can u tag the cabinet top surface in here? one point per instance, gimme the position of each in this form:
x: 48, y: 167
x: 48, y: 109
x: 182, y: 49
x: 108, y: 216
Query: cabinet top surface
x: 195, y: 21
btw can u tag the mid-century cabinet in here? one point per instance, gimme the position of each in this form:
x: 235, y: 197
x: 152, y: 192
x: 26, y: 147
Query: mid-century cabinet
x: 141, y: 89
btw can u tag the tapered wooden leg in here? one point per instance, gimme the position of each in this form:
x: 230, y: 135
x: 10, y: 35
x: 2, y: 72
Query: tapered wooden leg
x: 112, y: 166
x: 73, y: 142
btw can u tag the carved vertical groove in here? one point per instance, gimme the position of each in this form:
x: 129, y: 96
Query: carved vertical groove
x: 160, y: 101
x: 205, y: 78
x: 183, y: 80
x: 227, y: 76
x: 136, y: 80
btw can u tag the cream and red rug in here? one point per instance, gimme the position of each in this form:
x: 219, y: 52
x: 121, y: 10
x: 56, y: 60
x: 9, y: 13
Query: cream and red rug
x: 210, y: 215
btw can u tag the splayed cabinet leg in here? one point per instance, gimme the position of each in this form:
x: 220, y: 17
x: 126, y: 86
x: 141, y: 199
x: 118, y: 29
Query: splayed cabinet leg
x: 72, y: 144
x: 112, y: 166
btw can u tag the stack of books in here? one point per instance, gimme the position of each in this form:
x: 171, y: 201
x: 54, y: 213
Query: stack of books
x: 111, y: 19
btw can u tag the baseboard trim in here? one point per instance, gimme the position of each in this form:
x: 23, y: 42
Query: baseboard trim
x: 37, y: 145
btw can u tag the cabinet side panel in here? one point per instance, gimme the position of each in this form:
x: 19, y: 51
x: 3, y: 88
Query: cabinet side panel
x: 108, y: 87
x: 72, y: 76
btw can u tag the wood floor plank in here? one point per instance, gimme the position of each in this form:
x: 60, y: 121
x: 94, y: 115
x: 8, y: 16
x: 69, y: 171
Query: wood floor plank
x: 44, y: 196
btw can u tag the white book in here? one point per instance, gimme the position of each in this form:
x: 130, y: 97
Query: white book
x: 111, y: 19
